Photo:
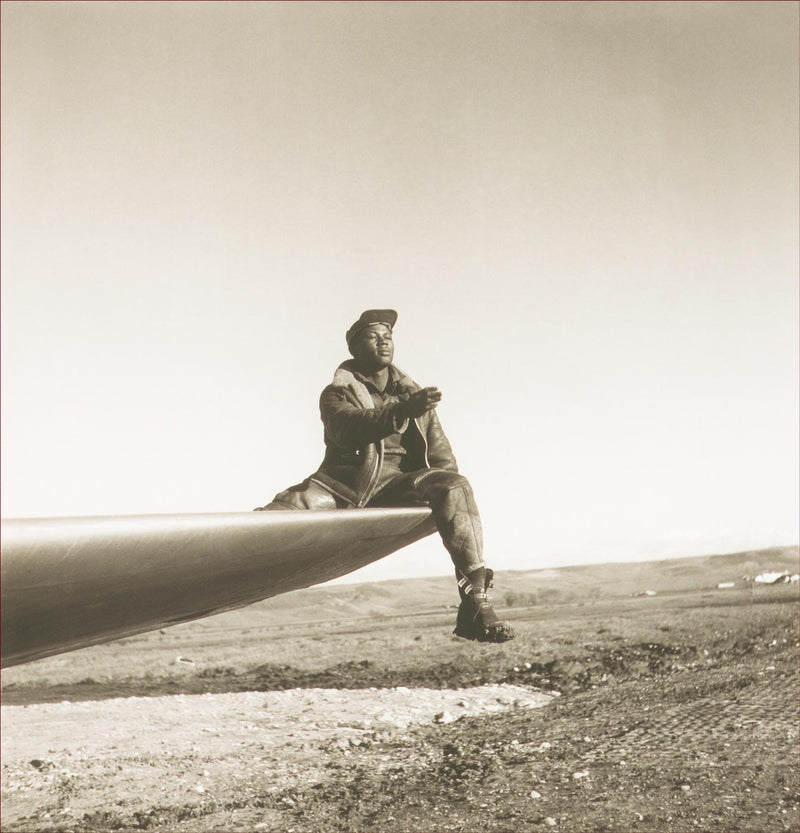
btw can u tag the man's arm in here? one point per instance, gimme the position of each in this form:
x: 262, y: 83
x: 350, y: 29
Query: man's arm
x: 350, y: 426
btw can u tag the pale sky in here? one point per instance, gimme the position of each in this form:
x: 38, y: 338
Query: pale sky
x: 586, y: 215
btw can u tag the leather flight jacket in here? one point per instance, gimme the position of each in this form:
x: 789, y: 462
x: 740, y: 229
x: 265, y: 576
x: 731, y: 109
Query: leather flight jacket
x: 355, y: 430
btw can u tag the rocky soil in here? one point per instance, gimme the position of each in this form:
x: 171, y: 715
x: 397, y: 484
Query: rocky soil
x: 656, y: 715
x: 61, y: 760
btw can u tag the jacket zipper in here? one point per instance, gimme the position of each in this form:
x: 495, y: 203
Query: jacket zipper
x: 424, y: 443
x: 370, y: 488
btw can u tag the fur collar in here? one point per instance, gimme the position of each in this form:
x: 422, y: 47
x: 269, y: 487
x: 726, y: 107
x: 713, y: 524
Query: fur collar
x: 344, y: 377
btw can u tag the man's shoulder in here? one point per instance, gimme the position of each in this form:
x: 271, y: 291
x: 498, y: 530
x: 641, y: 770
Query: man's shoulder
x: 345, y: 387
x: 343, y: 379
x: 338, y: 391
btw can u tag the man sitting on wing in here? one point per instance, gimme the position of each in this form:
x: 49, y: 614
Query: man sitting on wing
x: 385, y: 447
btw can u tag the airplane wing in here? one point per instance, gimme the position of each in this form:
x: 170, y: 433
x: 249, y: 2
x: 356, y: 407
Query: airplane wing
x: 72, y: 582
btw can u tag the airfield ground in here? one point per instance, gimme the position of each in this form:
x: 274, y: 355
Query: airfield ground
x: 611, y: 711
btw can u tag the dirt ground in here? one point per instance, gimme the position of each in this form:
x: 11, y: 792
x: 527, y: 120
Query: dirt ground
x: 667, y: 714
x: 209, y: 744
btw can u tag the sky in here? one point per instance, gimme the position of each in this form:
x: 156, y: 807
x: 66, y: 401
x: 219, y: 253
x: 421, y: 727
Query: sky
x: 586, y: 215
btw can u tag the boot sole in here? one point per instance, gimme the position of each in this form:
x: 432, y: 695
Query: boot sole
x: 495, y: 635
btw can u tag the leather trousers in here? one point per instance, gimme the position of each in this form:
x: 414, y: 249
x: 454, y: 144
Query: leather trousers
x: 448, y: 494
x: 450, y: 497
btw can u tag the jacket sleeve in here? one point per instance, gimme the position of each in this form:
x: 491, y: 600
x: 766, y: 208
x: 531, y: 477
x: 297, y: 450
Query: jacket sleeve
x: 350, y: 426
x: 440, y: 454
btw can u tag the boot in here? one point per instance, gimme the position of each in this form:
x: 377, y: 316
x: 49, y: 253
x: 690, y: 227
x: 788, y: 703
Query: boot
x: 476, y: 618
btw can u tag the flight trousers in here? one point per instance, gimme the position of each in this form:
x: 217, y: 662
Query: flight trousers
x: 447, y: 493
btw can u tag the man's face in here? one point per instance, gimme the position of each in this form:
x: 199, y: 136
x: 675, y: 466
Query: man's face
x: 373, y: 347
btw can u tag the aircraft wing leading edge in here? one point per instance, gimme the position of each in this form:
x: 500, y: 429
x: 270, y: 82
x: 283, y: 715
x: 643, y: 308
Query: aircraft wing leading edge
x: 72, y: 582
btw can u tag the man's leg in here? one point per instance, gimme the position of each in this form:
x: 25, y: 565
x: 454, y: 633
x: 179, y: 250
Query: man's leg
x: 450, y: 496
x: 305, y: 495
x: 454, y: 508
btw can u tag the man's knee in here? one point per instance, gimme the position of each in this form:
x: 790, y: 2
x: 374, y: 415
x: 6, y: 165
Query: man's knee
x: 440, y: 482
x: 306, y: 495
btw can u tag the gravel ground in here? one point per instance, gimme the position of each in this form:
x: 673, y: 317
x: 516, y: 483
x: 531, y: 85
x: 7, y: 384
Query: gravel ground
x: 662, y: 715
x: 62, y: 760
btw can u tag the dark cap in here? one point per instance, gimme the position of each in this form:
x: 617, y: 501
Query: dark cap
x: 371, y: 316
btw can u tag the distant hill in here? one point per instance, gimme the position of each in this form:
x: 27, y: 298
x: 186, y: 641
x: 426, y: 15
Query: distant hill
x: 522, y: 587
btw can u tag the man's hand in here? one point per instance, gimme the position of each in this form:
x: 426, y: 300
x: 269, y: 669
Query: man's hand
x: 420, y: 402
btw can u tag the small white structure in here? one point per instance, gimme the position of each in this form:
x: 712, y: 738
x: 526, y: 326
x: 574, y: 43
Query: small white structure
x: 773, y: 578
x: 724, y: 585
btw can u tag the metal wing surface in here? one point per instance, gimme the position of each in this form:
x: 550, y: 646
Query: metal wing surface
x: 72, y: 582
